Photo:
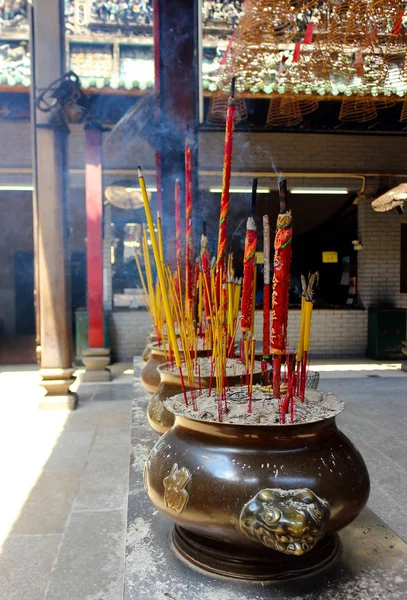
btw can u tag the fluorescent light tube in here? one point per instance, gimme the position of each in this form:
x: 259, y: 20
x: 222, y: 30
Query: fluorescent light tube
x: 16, y: 188
x: 240, y: 190
x: 318, y: 191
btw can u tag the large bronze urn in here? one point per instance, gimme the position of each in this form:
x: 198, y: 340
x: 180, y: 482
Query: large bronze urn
x: 256, y: 502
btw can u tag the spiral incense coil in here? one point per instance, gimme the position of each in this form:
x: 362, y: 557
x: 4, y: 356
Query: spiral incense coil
x: 218, y: 109
x: 384, y: 102
x: 360, y: 109
x: 284, y: 110
x: 299, y: 5
x: 318, y: 66
x: 267, y: 20
x: 338, y: 24
x: 403, y: 116
x: 359, y: 24
x: 254, y: 55
x: 385, y: 11
x: 308, y: 106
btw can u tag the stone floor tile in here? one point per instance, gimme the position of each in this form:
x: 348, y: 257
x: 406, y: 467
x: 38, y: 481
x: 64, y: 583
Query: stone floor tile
x: 113, y: 391
x: 70, y: 451
x: 90, y: 563
x: 106, y: 406
x: 25, y: 566
x: 390, y: 511
x: 104, y: 484
x: 49, y: 504
x: 79, y: 421
x: 114, y: 420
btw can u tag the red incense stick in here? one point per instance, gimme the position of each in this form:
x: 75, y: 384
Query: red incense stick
x: 281, y: 281
x: 266, y: 296
x: 189, y: 261
x: 224, y: 207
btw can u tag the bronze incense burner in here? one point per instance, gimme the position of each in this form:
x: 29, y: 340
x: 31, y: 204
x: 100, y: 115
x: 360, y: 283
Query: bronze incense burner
x: 150, y: 377
x: 256, y: 502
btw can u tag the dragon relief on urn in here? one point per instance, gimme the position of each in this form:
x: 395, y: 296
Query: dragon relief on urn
x: 290, y: 521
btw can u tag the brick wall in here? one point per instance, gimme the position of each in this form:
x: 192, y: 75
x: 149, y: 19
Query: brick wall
x: 379, y: 261
x: 128, y: 332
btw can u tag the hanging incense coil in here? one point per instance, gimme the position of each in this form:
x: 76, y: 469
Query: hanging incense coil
x: 303, y: 4
x: 383, y: 12
x: 218, y: 108
x: 308, y: 106
x: 360, y: 110
x: 403, y: 116
x: 284, y: 110
x: 255, y: 57
x: 384, y: 102
x: 358, y: 30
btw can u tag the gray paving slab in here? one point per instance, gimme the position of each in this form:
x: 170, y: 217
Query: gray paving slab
x: 86, y: 392
x: 104, y: 484
x: 79, y: 421
x: 393, y: 513
x: 106, y: 406
x: 114, y: 420
x: 25, y: 566
x: 70, y: 451
x: 49, y: 504
x: 112, y: 391
x: 90, y: 562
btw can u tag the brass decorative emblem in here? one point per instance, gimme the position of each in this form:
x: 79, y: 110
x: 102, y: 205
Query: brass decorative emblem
x: 290, y: 521
x: 175, y: 495
x: 157, y: 412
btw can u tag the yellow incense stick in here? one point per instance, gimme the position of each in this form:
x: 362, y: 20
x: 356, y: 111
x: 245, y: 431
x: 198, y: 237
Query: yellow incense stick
x: 300, y: 349
x: 149, y: 275
x: 143, y: 283
x: 200, y: 298
x: 307, y: 326
x: 160, y: 271
x: 160, y: 237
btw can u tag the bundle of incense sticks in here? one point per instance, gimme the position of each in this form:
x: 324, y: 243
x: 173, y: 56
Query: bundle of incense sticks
x: 218, y: 319
x: 206, y: 318
x: 281, y: 284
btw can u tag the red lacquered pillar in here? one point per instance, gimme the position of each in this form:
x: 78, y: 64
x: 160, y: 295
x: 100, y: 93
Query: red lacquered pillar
x: 96, y: 357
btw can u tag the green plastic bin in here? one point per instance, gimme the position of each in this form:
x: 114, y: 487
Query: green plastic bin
x: 81, y: 334
x: 386, y: 331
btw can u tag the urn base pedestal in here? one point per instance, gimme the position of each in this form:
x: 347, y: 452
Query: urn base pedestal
x: 210, y: 556
x: 96, y: 361
x: 57, y: 382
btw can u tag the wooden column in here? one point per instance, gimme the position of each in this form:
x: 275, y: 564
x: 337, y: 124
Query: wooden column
x: 49, y: 165
x: 96, y: 357
x: 178, y: 83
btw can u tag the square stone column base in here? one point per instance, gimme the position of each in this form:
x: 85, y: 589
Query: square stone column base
x: 96, y: 361
x: 57, y: 382
x: 63, y: 402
